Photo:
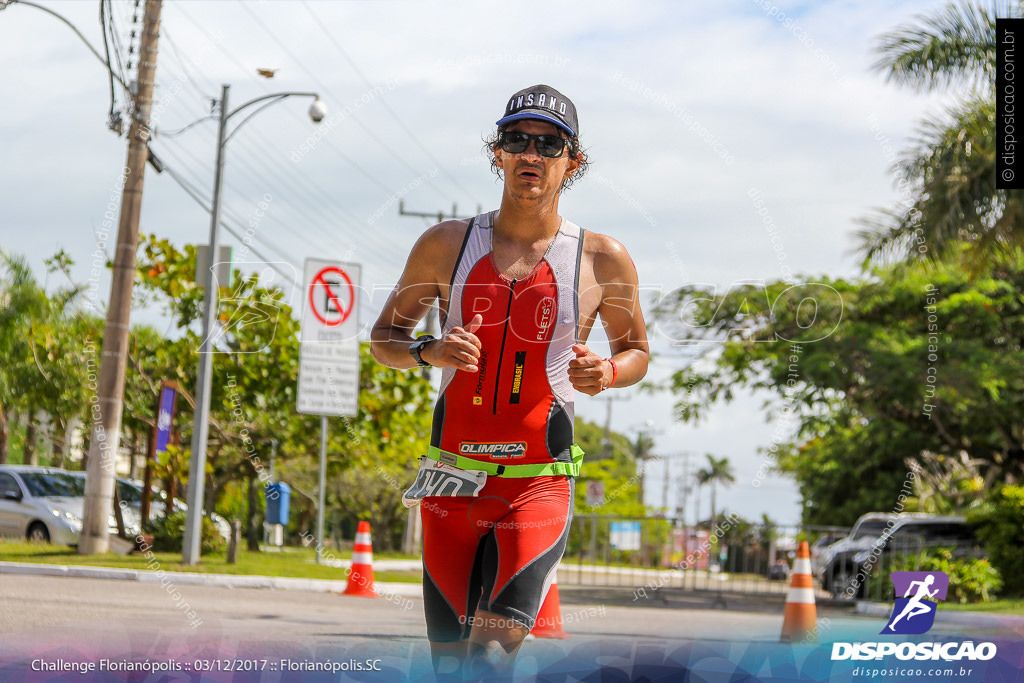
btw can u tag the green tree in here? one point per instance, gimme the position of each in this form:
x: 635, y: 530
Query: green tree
x: 951, y: 484
x: 620, y: 472
x: 950, y: 170
x: 1000, y: 524
x: 22, y: 300
x: 65, y: 349
x: 46, y: 341
x: 253, y: 374
x: 378, y: 453
x: 922, y: 358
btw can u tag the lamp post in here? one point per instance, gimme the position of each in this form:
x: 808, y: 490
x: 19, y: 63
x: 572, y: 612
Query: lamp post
x: 200, y: 428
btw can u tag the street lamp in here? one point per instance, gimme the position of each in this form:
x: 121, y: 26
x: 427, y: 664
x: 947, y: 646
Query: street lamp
x: 200, y: 429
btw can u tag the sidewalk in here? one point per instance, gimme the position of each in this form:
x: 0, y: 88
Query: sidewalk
x: 669, y: 598
x: 192, y: 578
x: 972, y: 620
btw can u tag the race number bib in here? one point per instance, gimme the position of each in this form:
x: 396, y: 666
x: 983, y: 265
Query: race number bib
x: 439, y: 479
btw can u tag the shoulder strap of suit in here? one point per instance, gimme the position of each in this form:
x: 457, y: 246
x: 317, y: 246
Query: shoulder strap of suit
x: 462, y: 250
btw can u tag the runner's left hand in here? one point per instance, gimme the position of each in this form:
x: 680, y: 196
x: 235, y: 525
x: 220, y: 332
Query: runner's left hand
x: 588, y: 372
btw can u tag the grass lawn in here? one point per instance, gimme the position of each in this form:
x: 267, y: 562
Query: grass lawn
x: 289, y: 562
x: 994, y: 607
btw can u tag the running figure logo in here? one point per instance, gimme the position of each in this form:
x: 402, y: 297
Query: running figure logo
x: 914, y: 612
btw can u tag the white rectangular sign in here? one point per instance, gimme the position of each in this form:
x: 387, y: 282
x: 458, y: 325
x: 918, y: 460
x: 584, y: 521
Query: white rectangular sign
x: 625, y: 535
x: 329, y: 344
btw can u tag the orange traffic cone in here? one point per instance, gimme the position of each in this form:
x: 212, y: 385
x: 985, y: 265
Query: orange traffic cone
x: 549, y: 620
x: 360, y: 577
x: 801, y: 619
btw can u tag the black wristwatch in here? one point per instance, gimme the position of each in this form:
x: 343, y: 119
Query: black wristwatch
x: 417, y: 348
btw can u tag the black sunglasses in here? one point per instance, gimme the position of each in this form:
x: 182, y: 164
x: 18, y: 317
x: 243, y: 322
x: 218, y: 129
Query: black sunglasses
x: 516, y: 142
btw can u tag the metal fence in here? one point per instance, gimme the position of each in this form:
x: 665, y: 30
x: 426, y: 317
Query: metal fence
x: 646, y: 554
x: 868, y: 570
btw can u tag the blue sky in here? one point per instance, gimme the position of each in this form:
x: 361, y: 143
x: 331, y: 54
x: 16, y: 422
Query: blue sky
x: 687, y: 110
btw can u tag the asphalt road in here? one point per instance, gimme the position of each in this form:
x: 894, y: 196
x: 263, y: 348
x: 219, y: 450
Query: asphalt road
x: 47, y: 620
x: 39, y: 609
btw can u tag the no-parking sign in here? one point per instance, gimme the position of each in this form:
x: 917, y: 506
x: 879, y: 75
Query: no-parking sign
x: 329, y: 344
x: 332, y: 296
x: 595, y: 492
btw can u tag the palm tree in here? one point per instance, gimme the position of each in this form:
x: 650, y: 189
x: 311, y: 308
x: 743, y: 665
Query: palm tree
x: 718, y: 470
x: 950, y: 169
x: 640, y: 449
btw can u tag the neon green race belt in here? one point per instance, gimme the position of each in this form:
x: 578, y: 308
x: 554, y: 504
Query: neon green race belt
x: 571, y: 469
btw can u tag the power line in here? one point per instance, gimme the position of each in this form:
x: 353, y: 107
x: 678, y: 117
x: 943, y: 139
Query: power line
x: 298, y: 190
x: 383, y: 102
x: 232, y: 214
x: 194, y: 194
x: 188, y: 77
x: 324, y: 140
x: 197, y: 194
x: 74, y: 28
x: 380, y: 253
x: 399, y: 158
x: 238, y: 191
x: 375, y: 243
x: 379, y: 248
x: 116, y: 40
x: 106, y: 51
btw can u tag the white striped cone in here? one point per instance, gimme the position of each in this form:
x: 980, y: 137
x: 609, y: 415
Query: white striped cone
x: 800, y: 621
x: 549, y: 618
x: 360, y: 577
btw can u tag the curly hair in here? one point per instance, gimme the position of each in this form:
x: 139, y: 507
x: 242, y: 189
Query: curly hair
x: 575, y: 150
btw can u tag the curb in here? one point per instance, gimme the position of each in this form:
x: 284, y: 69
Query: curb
x: 873, y: 609
x: 198, y: 579
x: 379, y: 565
x: 980, y: 619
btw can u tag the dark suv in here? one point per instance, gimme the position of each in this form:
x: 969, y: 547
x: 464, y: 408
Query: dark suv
x: 846, y: 572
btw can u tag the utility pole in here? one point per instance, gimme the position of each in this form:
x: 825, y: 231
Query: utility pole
x: 106, y: 436
x: 644, y: 443
x: 608, y: 400
x: 643, y: 457
x: 685, y: 489
x: 439, y: 215
x: 664, y: 485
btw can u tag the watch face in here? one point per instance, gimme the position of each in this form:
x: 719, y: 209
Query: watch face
x: 417, y: 347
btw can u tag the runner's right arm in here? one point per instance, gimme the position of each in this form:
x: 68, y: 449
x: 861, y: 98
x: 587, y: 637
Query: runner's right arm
x: 430, y: 262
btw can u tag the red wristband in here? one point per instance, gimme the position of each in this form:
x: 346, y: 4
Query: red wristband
x: 615, y: 373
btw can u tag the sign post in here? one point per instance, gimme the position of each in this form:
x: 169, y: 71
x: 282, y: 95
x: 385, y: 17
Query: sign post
x: 328, y: 354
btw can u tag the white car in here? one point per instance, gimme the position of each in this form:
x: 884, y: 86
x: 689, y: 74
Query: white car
x: 44, y: 504
x: 130, y: 492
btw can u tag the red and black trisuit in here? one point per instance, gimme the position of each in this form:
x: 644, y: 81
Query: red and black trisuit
x: 498, y: 552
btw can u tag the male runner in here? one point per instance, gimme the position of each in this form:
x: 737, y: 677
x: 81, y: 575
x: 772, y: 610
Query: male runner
x: 519, y: 290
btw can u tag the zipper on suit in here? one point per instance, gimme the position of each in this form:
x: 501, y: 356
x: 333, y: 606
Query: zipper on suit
x: 501, y: 352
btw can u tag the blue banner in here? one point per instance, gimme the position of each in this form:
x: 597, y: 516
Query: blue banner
x: 165, y: 417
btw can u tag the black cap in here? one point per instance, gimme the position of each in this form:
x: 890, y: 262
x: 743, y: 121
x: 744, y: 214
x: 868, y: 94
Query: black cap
x: 544, y: 103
